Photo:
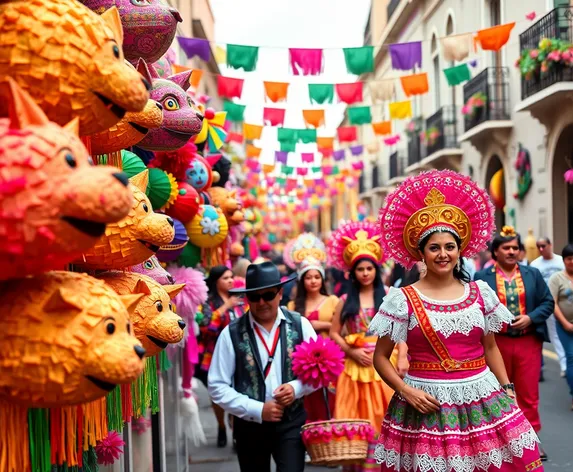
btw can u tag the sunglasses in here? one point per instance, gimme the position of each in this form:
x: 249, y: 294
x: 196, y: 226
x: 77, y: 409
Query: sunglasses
x: 267, y: 296
x: 541, y: 246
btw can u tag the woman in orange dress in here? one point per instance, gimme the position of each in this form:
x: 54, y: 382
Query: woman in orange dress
x: 313, y: 301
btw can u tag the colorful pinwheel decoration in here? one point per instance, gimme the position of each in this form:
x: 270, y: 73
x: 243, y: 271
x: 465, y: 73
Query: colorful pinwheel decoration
x: 213, y: 133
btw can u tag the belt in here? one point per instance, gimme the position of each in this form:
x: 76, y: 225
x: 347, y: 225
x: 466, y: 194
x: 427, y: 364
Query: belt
x: 449, y: 365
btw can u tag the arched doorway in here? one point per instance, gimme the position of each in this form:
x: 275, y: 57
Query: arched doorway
x: 562, y: 192
x: 495, y: 184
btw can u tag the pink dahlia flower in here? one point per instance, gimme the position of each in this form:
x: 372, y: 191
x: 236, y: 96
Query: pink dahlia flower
x: 109, y: 449
x: 569, y: 176
x: 318, y: 362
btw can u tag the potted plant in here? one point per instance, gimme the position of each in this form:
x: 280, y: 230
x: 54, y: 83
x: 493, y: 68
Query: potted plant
x: 550, y: 53
x: 413, y: 127
x: 430, y: 136
x: 475, y: 105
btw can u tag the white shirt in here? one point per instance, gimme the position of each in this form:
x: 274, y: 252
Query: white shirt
x: 548, y: 267
x: 222, y: 371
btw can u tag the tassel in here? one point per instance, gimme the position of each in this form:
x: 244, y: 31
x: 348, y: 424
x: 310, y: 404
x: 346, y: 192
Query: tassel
x: 14, y: 438
x: 87, y: 140
x: 80, y: 435
x: 164, y: 362
x: 90, y: 460
x: 114, y: 159
x: 55, y: 435
x: 95, y: 422
x: 39, y: 429
x: 126, y: 403
x: 114, y: 410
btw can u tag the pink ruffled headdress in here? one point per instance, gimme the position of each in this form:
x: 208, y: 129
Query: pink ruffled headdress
x: 352, y: 241
x: 435, y: 201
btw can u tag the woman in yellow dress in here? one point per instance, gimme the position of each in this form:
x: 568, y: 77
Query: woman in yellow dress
x: 313, y: 301
x: 361, y: 393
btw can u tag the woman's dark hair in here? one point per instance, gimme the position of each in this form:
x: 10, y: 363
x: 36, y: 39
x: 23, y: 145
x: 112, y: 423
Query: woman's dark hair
x: 214, y: 275
x: 461, y: 274
x: 300, y: 299
x: 498, y: 240
x: 351, y: 306
x: 567, y: 251
x: 411, y: 277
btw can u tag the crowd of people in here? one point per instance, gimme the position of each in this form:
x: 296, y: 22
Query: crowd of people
x: 442, y: 323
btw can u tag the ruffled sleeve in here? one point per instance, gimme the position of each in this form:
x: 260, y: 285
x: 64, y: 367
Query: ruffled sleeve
x: 496, y: 314
x: 392, y: 317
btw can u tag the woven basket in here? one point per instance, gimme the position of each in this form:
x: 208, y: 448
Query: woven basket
x: 338, y: 450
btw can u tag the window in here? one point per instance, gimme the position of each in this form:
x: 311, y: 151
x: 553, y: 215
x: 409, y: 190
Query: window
x: 437, y: 71
x: 449, y: 31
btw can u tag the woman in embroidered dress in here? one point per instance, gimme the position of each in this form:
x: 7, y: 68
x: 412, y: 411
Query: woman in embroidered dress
x: 313, y: 302
x: 360, y: 392
x: 222, y: 309
x: 455, y: 410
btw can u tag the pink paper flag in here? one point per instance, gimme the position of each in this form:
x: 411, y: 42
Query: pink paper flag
x: 306, y: 61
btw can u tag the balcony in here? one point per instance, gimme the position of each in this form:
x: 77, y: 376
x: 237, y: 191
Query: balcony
x: 487, y: 119
x: 375, y: 177
x: 396, y: 168
x: 544, y: 92
x: 392, y: 8
x: 440, y: 139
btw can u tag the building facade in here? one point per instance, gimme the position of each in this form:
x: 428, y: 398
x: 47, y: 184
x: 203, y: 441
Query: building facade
x: 517, y: 144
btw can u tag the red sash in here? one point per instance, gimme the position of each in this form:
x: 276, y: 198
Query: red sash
x: 446, y: 363
x: 502, y: 295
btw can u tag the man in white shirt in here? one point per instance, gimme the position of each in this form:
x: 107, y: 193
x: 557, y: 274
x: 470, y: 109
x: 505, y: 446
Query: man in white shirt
x: 251, y: 376
x: 548, y: 264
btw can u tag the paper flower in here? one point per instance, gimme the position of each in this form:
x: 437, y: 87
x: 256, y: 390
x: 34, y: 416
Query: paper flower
x: 569, y: 176
x: 318, y: 362
x: 140, y: 425
x: 109, y: 449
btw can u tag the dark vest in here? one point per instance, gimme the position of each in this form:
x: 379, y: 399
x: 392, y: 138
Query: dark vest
x: 249, y: 379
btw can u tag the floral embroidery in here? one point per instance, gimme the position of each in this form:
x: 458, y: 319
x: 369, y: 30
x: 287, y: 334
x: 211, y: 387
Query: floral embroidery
x: 251, y: 388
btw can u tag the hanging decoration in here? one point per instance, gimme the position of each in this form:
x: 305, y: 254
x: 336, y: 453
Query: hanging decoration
x: 457, y: 75
x: 359, y: 115
x: 323, y: 142
x: 276, y: 91
x: 457, y: 47
x: 349, y: 93
x: 497, y: 189
x: 357, y: 150
x: 252, y: 151
x: 494, y: 38
x: 305, y: 61
x: 400, y: 110
x: 195, y: 47
x: 229, y: 87
x: 235, y: 112
x: 274, y: 116
x: 242, y: 57
x: 382, y: 128
x: 321, y: 93
x: 281, y: 157
x: 213, y: 132
x: 313, y: 117
x: 347, y: 134
x: 359, y: 60
x: 406, y: 56
x: 523, y: 168
x: 382, y: 90
x: 339, y: 154
x: 415, y: 84
x: 252, y: 132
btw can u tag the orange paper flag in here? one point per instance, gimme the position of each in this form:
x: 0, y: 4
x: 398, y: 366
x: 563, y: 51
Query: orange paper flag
x: 416, y: 84
x: 251, y: 132
x: 325, y: 143
x: 253, y: 151
x: 382, y: 128
x: 276, y: 91
x: 196, y: 76
x: 492, y: 39
x: 268, y: 168
x: 313, y: 117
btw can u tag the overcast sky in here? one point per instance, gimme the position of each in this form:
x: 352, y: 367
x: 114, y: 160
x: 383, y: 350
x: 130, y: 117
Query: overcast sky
x: 276, y: 25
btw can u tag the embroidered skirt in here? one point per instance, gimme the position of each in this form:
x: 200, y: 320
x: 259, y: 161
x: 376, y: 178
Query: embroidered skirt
x: 478, y: 428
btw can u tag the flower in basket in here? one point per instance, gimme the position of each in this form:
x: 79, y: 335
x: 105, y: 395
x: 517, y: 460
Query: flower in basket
x: 318, y: 362
x: 109, y: 449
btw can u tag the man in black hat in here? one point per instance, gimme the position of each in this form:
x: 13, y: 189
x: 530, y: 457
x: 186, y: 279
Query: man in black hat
x: 251, y: 376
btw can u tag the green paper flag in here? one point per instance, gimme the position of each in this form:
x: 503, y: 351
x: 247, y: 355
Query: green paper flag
x: 457, y: 74
x: 316, y: 169
x: 359, y: 115
x: 321, y: 93
x: 335, y: 170
x: 359, y: 60
x: 306, y: 135
x: 287, y: 170
x: 286, y: 134
x: 280, y: 180
x: 288, y: 146
x: 234, y: 111
x: 242, y: 57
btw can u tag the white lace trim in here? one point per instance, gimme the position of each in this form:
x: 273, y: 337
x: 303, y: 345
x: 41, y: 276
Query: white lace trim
x: 457, y: 391
x: 393, y: 315
x: 457, y: 463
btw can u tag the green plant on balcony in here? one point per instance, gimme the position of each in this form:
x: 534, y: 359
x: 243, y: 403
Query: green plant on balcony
x: 550, y: 53
x: 475, y: 104
x: 430, y: 136
x: 413, y: 127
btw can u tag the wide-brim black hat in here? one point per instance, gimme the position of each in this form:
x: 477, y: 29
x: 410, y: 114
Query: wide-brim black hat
x: 260, y: 277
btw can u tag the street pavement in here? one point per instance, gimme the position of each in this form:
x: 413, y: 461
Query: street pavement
x: 556, y: 436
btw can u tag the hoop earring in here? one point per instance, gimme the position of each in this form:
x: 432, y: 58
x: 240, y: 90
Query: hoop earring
x: 459, y: 264
x: 423, y: 267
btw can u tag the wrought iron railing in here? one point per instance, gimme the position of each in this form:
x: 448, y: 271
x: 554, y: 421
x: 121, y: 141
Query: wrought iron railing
x: 414, y: 148
x: 557, y: 24
x: 361, y: 187
x: 375, y: 177
x: 392, y: 8
x: 491, y: 86
x: 441, y: 130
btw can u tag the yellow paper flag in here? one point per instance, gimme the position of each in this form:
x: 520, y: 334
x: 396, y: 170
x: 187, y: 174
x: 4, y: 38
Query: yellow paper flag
x: 220, y: 55
x: 400, y: 110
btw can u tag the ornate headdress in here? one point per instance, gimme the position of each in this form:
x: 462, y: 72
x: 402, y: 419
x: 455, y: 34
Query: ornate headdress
x: 352, y: 241
x: 435, y: 201
x: 310, y: 263
x: 304, y: 246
